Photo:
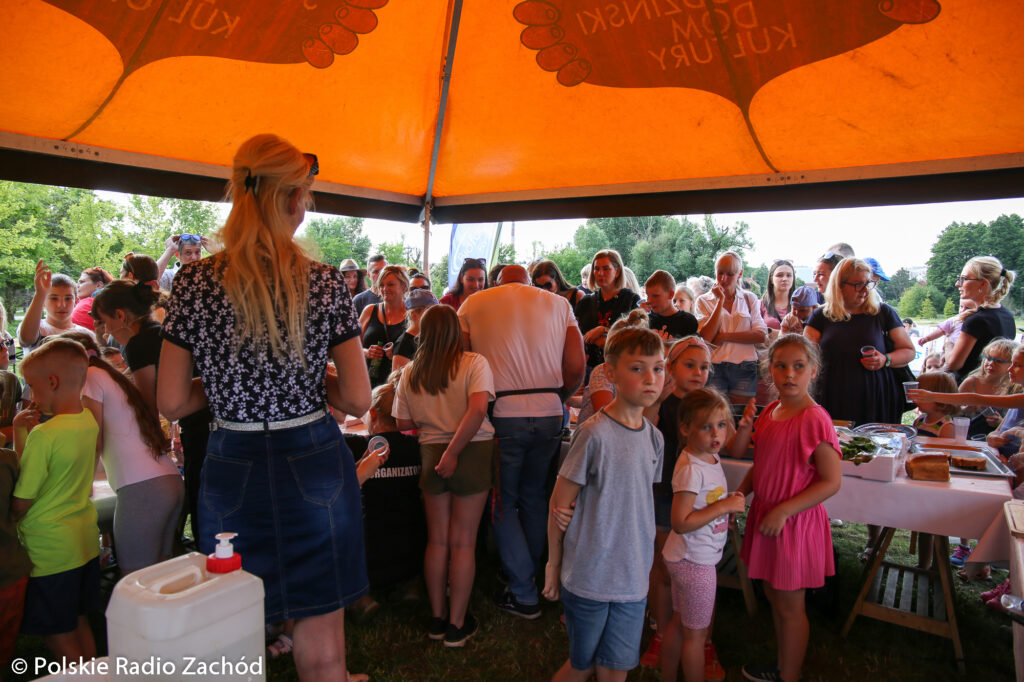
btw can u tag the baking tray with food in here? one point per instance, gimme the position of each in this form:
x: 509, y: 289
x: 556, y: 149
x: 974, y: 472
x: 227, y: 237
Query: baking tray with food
x: 881, y: 429
x: 967, y: 459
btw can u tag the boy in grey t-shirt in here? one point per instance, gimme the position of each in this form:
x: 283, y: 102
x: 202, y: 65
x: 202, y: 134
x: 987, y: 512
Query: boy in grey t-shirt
x: 602, y: 567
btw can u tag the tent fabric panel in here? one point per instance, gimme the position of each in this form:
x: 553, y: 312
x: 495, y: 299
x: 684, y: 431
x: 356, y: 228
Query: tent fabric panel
x: 369, y: 116
x: 947, y: 89
x: 919, y: 92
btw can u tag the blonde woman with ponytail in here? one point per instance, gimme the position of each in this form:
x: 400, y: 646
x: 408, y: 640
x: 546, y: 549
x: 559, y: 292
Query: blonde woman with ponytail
x: 985, y: 282
x: 260, y: 319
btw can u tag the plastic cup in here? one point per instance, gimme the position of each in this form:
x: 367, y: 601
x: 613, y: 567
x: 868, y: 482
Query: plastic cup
x: 960, y: 427
x: 909, y: 386
x: 378, y: 446
x: 865, y: 351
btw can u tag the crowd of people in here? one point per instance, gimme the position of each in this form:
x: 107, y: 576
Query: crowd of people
x: 245, y: 364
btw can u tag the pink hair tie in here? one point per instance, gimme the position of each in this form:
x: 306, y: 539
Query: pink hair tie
x: 153, y: 283
x: 92, y: 354
x: 682, y: 344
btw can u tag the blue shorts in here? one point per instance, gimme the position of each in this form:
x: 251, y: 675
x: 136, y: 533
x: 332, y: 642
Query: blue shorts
x: 603, y: 633
x: 663, y: 512
x: 738, y: 379
x: 293, y: 498
x: 54, y: 602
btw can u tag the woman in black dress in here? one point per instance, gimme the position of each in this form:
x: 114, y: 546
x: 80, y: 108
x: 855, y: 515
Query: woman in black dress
x: 854, y: 386
x: 985, y: 282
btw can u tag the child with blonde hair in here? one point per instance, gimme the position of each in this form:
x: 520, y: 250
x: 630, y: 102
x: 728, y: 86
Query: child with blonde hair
x: 788, y: 538
x: 992, y: 377
x: 56, y: 518
x: 701, y: 506
x: 600, y: 389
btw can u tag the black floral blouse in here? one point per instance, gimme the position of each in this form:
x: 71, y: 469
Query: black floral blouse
x: 253, y: 385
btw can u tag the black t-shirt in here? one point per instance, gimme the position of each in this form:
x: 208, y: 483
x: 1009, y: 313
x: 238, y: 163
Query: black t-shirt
x: 143, y: 349
x: 406, y: 345
x: 593, y: 311
x: 985, y: 325
x: 679, y: 325
x: 668, y: 424
x: 394, y: 523
x: 363, y: 299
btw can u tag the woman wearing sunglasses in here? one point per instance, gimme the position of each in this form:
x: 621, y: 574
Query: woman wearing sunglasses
x: 546, y: 275
x: 984, y: 282
x: 472, y: 278
x: 261, y: 318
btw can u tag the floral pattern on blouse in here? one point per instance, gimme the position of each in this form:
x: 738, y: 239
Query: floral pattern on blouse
x: 253, y: 385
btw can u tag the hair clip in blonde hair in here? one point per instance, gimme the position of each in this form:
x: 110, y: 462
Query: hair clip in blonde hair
x: 250, y: 181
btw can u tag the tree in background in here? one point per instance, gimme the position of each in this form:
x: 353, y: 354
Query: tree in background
x: 685, y: 248
x: 398, y: 253
x: 899, y: 282
x: 959, y: 242
x: 949, y: 309
x: 339, y: 238
x: 912, y: 304
x: 927, y: 309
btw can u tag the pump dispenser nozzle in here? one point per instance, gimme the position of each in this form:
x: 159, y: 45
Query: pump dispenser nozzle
x: 224, y: 559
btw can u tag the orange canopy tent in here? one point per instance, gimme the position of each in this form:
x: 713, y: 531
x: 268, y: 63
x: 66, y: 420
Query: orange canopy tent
x: 504, y: 109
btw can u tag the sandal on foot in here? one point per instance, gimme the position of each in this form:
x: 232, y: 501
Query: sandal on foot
x: 280, y: 646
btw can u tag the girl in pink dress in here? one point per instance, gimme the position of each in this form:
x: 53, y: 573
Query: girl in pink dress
x: 788, y: 539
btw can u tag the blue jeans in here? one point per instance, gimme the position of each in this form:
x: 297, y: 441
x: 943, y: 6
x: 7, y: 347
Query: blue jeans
x: 603, y: 633
x: 526, y: 446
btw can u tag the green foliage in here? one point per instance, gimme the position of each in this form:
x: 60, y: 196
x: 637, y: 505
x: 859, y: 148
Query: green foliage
x: 685, y: 248
x: 398, y: 253
x: 912, y: 303
x: 570, y: 260
x: 959, y: 242
x: 339, y: 238
x: 949, y: 308
x: 93, y: 236
x: 439, y: 276
x: 927, y: 309
x: 898, y: 284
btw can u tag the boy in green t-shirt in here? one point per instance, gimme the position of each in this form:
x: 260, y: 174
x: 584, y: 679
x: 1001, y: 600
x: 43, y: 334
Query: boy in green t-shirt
x: 57, y: 520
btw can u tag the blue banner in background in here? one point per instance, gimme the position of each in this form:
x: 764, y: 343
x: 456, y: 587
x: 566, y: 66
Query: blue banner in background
x: 470, y: 240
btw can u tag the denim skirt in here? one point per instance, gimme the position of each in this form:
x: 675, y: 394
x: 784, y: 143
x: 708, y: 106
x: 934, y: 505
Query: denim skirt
x: 293, y: 498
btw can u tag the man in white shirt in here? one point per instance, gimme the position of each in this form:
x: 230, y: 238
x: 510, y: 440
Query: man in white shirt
x: 535, y: 349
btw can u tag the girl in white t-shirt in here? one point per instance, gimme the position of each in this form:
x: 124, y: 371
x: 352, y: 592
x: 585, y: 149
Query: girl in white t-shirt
x: 444, y: 393
x: 701, y: 506
x: 149, y: 487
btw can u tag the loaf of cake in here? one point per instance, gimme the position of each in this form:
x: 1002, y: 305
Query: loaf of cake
x: 975, y: 463
x: 928, y: 467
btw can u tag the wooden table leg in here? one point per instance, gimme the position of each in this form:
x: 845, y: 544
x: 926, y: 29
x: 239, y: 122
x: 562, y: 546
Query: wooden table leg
x: 874, y: 563
x: 941, y: 559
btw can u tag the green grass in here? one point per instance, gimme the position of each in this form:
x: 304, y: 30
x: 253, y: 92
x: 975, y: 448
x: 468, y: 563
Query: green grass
x: 393, y: 644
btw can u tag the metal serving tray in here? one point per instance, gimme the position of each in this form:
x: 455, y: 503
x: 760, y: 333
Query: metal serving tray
x: 869, y: 429
x: 994, y: 466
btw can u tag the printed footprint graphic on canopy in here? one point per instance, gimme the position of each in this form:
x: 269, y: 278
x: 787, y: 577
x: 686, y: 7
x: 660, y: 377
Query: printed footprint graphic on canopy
x: 145, y: 31
x: 727, y: 47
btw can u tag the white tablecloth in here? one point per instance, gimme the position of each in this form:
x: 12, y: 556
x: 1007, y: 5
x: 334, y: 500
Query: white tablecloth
x: 968, y: 507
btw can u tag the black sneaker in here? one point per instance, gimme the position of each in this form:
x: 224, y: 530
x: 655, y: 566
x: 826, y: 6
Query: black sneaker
x: 455, y: 638
x: 437, y: 628
x: 507, y: 602
x: 762, y: 673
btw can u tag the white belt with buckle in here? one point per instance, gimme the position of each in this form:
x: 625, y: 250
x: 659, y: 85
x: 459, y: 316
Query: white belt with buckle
x: 269, y: 426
